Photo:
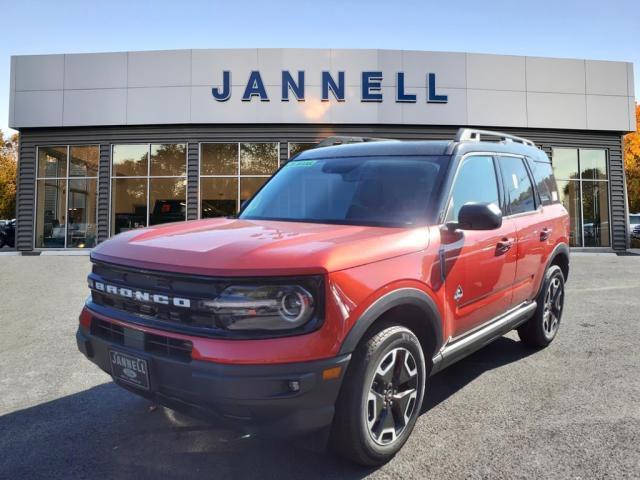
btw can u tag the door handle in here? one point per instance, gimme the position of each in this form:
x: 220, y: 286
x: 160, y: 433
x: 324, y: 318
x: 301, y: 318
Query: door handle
x: 545, y: 234
x: 504, y: 245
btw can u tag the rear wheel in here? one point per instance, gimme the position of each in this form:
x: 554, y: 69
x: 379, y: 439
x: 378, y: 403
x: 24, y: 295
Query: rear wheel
x: 381, y: 397
x: 540, y: 330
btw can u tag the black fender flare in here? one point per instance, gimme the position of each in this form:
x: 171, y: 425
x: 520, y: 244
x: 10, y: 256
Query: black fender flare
x: 395, y: 298
x: 561, y: 248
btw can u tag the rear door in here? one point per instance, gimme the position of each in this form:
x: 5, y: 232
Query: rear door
x: 533, y: 225
x: 479, y: 265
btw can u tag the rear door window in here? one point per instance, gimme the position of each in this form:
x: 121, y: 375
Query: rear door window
x: 517, y: 185
x: 545, y: 182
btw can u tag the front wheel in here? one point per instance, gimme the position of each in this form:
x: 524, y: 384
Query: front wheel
x: 540, y: 330
x: 381, y: 397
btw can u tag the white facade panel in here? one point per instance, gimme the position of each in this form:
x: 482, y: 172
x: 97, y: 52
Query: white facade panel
x: 556, y: 110
x: 105, y: 106
x: 167, y: 68
x: 607, y: 111
x: 555, y: 75
x: 632, y: 114
x: 158, y: 105
x: 207, y: 65
x: 496, y: 72
x: 175, y: 87
x: 451, y: 68
x: 496, y: 108
x: 630, y: 80
x: 39, y: 72
x: 38, y: 109
x: 91, y: 71
x: 607, y: 78
x: 12, y: 90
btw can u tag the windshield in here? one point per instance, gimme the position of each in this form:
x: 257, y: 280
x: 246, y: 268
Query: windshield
x: 378, y: 191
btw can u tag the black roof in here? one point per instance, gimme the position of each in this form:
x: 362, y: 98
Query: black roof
x: 419, y: 147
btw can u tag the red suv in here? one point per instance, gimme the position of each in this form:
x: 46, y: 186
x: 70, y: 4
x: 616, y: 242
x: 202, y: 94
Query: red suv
x: 354, y: 274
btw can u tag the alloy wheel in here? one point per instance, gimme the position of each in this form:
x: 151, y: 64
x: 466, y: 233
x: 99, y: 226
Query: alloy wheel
x: 553, y: 303
x: 392, y: 396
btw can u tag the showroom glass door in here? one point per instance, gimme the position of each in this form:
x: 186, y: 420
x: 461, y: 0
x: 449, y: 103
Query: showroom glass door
x: 583, y: 184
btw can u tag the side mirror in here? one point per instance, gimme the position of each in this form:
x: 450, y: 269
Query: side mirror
x: 477, y: 216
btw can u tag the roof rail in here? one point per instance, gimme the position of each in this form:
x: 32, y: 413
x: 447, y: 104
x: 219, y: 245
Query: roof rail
x: 474, y: 135
x: 337, y: 140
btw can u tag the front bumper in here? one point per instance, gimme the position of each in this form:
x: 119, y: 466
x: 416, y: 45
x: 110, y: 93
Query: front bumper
x: 254, y: 399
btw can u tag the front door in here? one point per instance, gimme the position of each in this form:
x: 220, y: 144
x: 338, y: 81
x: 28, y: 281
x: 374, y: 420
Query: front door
x: 479, y: 265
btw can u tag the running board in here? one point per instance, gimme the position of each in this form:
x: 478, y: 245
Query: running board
x: 459, y: 349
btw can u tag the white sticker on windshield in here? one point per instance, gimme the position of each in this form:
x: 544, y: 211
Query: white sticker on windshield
x: 514, y: 178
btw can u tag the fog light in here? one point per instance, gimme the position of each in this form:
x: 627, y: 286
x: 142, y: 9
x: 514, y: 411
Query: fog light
x: 294, y: 385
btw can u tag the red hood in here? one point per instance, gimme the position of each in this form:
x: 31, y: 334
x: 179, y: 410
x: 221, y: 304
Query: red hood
x: 249, y: 247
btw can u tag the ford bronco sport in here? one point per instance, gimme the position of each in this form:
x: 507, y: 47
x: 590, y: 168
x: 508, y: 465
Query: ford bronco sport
x: 355, y: 273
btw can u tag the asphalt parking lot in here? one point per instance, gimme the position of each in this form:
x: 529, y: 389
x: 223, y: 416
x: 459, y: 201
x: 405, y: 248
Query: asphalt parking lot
x: 569, y: 411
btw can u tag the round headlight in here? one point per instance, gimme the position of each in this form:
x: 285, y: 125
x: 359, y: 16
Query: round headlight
x: 292, y: 306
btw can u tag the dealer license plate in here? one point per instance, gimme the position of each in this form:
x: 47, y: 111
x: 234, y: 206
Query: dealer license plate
x: 129, y: 369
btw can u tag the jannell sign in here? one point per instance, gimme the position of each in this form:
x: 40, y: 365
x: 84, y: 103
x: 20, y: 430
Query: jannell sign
x: 371, y: 88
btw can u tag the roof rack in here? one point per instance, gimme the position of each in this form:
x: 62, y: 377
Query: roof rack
x: 473, y: 135
x: 337, y: 140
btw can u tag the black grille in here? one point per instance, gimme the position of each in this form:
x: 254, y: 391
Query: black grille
x: 155, y: 344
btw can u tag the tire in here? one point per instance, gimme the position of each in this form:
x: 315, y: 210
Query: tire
x: 540, y: 330
x: 360, y: 431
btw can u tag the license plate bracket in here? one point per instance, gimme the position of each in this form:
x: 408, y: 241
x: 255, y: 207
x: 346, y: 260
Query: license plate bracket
x: 129, y: 369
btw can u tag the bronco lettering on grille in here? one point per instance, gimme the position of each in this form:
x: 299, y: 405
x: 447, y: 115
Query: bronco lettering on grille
x: 139, y: 295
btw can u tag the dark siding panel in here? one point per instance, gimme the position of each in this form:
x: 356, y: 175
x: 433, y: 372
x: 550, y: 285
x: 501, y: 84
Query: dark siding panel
x: 192, y: 180
x: 193, y: 134
x: 26, y: 195
x: 104, y: 173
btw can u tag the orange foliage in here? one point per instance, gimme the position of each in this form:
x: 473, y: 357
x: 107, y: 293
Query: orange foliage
x: 632, y: 165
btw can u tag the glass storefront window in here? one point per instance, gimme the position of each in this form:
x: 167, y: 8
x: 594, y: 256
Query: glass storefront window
x: 148, y: 185
x: 81, y: 214
x: 593, y: 164
x: 218, y: 197
x: 51, y: 213
x: 249, y: 186
x: 569, y: 191
x: 167, y: 200
x: 584, y: 191
x: 595, y: 208
x: 52, y: 162
x: 258, y: 158
x: 168, y: 160
x: 297, y: 147
x: 84, y: 161
x: 130, y: 160
x: 219, y: 159
x: 230, y: 173
x: 67, y: 193
x: 565, y: 163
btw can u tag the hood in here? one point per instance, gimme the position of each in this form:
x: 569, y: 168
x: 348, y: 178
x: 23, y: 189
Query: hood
x: 231, y: 247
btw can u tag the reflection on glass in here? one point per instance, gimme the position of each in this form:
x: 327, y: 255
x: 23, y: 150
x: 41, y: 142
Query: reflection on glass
x: 258, y: 158
x: 128, y: 204
x: 219, y: 197
x: 570, y: 197
x: 84, y: 161
x: 593, y: 164
x: 167, y: 200
x: 296, y: 148
x: 52, y: 162
x: 169, y: 159
x: 595, y: 211
x: 130, y: 160
x: 249, y: 186
x: 81, y: 228
x: 51, y: 213
x: 219, y: 159
x: 565, y: 163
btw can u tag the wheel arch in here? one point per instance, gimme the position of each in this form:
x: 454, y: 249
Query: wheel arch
x: 409, y: 307
x: 560, y: 257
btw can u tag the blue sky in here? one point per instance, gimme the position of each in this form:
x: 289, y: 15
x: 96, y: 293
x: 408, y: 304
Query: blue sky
x: 560, y: 28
